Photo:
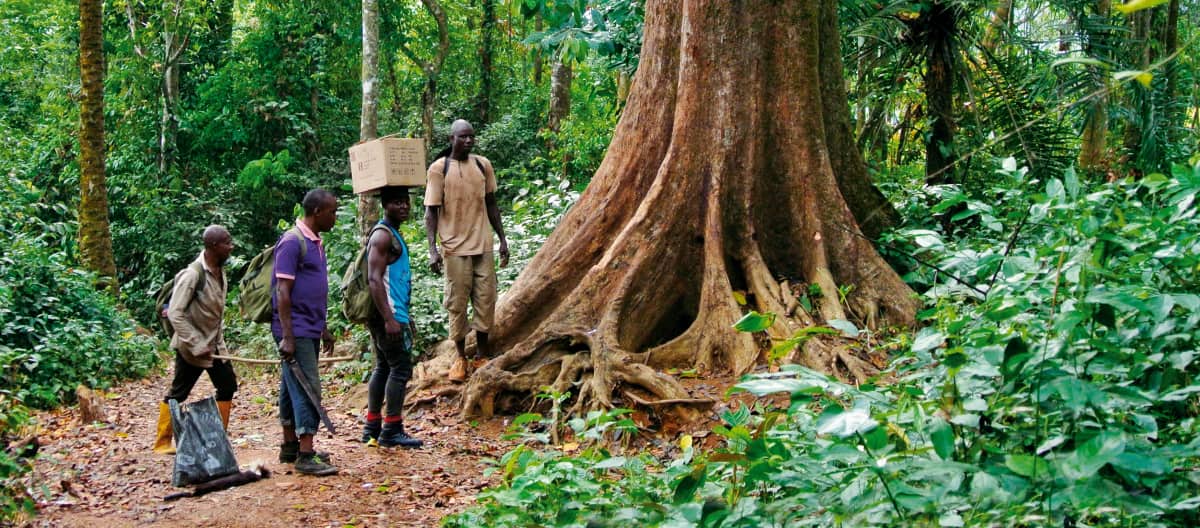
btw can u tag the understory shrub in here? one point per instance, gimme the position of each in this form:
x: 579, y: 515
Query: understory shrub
x: 1054, y: 385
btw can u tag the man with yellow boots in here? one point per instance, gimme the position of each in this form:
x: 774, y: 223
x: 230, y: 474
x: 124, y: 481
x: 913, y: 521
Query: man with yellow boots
x: 195, y: 312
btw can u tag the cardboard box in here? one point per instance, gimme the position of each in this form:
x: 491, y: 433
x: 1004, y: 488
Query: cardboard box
x: 387, y: 161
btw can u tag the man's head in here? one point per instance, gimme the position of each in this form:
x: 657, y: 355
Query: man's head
x: 218, y: 243
x: 462, y: 139
x: 395, y: 203
x: 320, y: 206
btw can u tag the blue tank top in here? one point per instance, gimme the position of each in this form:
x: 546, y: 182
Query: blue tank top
x: 398, y: 280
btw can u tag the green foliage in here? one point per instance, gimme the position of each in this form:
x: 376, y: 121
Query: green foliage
x: 57, y: 330
x: 1057, y: 386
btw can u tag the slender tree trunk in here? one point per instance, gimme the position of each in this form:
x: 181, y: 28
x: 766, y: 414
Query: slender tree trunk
x: 720, y: 177
x: 1141, y: 47
x: 560, y: 94
x: 940, y: 70
x: 368, y: 123
x: 95, y: 239
x: 1094, y: 140
x: 175, y: 35
x: 538, y: 57
x: 431, y: 68
x: 486, y: 50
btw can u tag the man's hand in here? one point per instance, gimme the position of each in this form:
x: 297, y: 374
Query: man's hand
x: 503, y: 253
x: 393, y: 328
x: 326, y: 342
x: 435, y: 261
x: 287, y: 348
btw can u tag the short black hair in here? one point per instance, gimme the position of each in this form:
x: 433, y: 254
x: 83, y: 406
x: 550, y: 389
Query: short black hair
x: 392, y: 193
x: 314, y: 199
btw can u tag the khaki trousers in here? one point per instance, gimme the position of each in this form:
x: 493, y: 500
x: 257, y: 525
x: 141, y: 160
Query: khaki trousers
x: 470, y: 277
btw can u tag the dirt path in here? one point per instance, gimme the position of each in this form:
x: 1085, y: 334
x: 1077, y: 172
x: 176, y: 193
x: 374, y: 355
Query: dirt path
x: 104, y: 475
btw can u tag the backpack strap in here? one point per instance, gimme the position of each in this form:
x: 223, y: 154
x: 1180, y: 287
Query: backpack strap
x: 295, y: 231
x: 446, y: 166
x: 201, y: 280
x: 397, y: 242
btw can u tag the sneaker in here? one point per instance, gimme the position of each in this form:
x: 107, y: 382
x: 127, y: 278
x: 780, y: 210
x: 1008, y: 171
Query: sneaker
x: 290, y: 451
x: 314, y: 464
x: 395, y: 436
x: 371, y: 432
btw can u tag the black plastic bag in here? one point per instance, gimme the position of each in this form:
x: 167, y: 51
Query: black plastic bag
x: 202, y: 450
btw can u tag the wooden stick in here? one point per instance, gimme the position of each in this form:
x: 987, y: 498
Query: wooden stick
x: 334, y: 359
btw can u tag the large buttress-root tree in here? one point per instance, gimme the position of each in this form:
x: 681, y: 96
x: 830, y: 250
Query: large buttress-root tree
x: 732, y: 169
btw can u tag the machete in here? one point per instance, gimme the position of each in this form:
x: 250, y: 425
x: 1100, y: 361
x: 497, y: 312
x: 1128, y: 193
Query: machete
x: 311, y: 393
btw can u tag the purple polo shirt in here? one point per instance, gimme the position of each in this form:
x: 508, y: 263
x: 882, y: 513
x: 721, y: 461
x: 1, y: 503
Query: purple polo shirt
x: 310, y: 291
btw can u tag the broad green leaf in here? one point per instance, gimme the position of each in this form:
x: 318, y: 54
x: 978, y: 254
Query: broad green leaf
x: 1027, y: 465
x: 848, y: 423
x: 942, y: 437
x: 754, y: 322
x: 927, y: 339
x: 848, y: 329
x: 764, y: 386
x: 609, y: 463
x: 1093, y: 454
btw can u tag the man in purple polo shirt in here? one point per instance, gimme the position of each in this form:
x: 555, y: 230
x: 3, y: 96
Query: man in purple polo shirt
x: 301, y: 285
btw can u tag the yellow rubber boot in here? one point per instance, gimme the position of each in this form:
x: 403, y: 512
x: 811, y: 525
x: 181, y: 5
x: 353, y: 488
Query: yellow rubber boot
x: 162, y: 442
x: 224, y: 407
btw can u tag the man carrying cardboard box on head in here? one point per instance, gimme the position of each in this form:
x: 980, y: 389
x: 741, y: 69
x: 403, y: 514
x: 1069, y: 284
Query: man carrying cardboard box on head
x: 460, y: 203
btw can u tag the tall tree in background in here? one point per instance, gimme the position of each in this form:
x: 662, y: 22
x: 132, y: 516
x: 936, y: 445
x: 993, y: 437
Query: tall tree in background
x: 368, y: 127
x: 432, y: 67
x: 728, y: 172
x: 487, y: 50
x: 1094, y: 140
x: 176, y: 32
x: 95, y: 239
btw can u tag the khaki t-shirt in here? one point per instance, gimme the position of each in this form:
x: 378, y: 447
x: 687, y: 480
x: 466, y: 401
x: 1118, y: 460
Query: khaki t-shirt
x: 463, y: 223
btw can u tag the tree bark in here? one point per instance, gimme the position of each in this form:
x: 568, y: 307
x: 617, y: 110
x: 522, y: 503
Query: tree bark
x: 560, y: 94
x: 940, y: 70
x: 720, y: 177
x: 95, y: 238
x: 1094, y: 140
x: 174, y: 44
x: 487, y: 46
x: 368, y: 123
x: 432, y: 68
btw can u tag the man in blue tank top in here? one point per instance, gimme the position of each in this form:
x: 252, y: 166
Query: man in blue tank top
x: 389, y: 278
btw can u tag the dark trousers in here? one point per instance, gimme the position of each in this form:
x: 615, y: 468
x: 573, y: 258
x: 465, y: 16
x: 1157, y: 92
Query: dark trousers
x: 186, y: 375
x: 393, y: 369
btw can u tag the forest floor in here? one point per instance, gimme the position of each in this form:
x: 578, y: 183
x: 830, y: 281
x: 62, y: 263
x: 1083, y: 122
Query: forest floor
x: 105, y: 475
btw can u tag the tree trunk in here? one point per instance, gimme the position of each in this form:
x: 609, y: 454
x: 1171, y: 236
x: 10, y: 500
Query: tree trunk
x: 940, y: 68
x: 175, y: 40
x: 560, y: 94
x: 538, y: 57
x: 720, y: 177
x: 95, y: 239
x: 432, y: 68
x: 1141, y: 46
x: 368, y: 123
x: 483, y: 107
x: 1092, y: 158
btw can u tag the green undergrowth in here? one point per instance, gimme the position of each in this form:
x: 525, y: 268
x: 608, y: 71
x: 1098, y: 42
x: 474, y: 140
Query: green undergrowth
x: 1052, y: 384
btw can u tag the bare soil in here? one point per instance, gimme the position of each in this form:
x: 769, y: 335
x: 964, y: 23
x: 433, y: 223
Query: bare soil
x: 105, y: 475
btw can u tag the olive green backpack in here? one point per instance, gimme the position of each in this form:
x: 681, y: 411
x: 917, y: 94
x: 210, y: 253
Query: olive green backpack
x: 254, y: 290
